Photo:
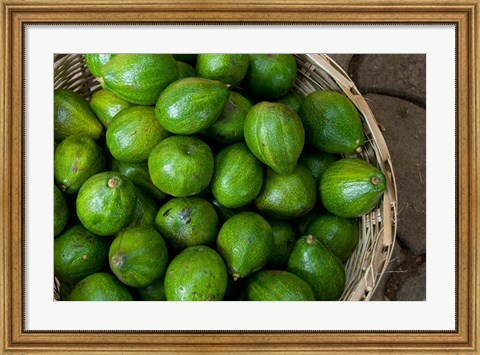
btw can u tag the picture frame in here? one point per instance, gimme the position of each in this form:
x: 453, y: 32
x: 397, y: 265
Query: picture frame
x: 463, y: 14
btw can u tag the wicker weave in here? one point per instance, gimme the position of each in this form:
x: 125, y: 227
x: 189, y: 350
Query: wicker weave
x: 366, y: 266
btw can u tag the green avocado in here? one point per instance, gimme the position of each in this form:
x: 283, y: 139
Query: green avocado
x: 292, y: 99
x: 324, y: 272
x: 181, y: 165
x: 245, y: 241
x: 198, y: 273
x: 190, y: 105
x: 154, y: 291
x: 145, y: 210
x: 332, y: 123
x: 340, y: 235
x: 275, y: 135
x: 317, y: 161
x: 270, y: 76
x: 238, y: 176
x: 287, y: 196
x: 139, y: 78
x: 134, y: 133
x: 60, y: 211
x: 73, y: 115
x: 106, y: 203
x: 138, y: 256
x: 185, y: 70
x: 278, y: 285
x: 284, y: 238
x: 106, y: 105
x: 76, y: 159
x: 100, y: 286
x: 186, y: 57
x: 351, y: 187
x: 78, y: 253
x: 96, y: 61
x: 227, y: 68
x: 187, y: 221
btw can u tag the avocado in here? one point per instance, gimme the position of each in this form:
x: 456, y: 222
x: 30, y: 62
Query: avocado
x: 340, y: 235
x: 316, y: 161
x: 139, y: 78
x: 245, y: 241
x: 238, y: 176
x: 332, y: 123
x: 73, y: 115
x: 187, y: 221
x: 106, y: 105
x: 351, y: 187
x: 100, y: 286
x: 227, y: 68
x: 275, y: 135
x: 284, y: 238
x: 134, y: 133
x: 95, y: 61
x: 287, y: 196
x: 190, y: 105
x: 198, y: 273
x: 76, y: 159
x: 60, y: 211
x: 185, y: 70
x: 270, y: 76
x: 324, y: 272
x: 106, y: 203
x: 138, y: 256
x: 145, y: 210
x: 154, y: 291
x: 78, y: 253
x: 186, y: 57
x: 181, y: 165
x: 292, y: 99
x: 228, y: 128
x: 278, y: 285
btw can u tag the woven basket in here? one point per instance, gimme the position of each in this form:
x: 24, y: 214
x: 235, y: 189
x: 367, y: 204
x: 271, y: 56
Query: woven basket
x: 367, y: 265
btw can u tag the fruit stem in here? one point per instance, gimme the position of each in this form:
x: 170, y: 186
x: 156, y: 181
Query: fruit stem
x: 113, y: 182
x: 236, y: 276
x: 359, y: 149
x: 310, y: 239
x: 375, y: 180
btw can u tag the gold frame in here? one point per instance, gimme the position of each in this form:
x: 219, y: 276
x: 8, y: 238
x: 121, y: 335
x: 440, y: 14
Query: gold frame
x: 465, y: 14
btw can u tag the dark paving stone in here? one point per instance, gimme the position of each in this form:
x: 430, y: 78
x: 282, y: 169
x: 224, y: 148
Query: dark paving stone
x: 401, y: 75
x: 414, y: 288
x: 397, y: 258
x: 404, y: 132
x: 343, y: 60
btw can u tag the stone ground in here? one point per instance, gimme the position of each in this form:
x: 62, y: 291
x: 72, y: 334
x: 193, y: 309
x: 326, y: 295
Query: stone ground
x: 394, y: 87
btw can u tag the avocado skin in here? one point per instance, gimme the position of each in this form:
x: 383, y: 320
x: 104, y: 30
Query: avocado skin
x: 96, y: 61
x: 332, y: 123
x: 198, y: 273
x: 79, y: 253
x: 292, y: 99
x: 185, y: 70
x: 105, y: 210
x: 317, y: 161
x: 100, y: 286
x: 270, y: 76
x: 245, y: 241
x: 139, y: 78
x: 106, y: 105
x: 324, y: 272
x: 275, y: 135
x: 277, y: 285
x: 145, y: 210
x: 154, y: 291
x: 287, y: 196
x: 60, y: 211
x: 190, y: 105
x: 238, y: 176
x: 284, y: 238
x: 227, y: 68
x: 347, y: 190
x: 73, y: 115
x: 76, y: 159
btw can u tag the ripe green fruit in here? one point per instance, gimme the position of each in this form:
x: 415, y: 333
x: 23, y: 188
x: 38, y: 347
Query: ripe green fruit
x: 145, y: 210
x: 96, y: 61
x: 154, y: 291
x: 106, y: 105
x: 227, y: 68
x: 100, y: 286
x: 106, y: 203
x: 134, y: 133
x: 332, y: 123
x: 139, y: 78
x: 138, y: 256
x: 185, y: 70
x: 287, y: 196
x: 245, y: 241
x: 181, y: 165
x: 190, y: 105
x: 316, y: 161
x: 60, y: 211
x: 324, y: 272
x: 198, y: 273
x: 275, y: 135
x: 187, y: 221
x: 284, y: 238
x: 351, y: 187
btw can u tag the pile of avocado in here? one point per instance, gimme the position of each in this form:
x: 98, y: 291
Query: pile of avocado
x: 206, y: 177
